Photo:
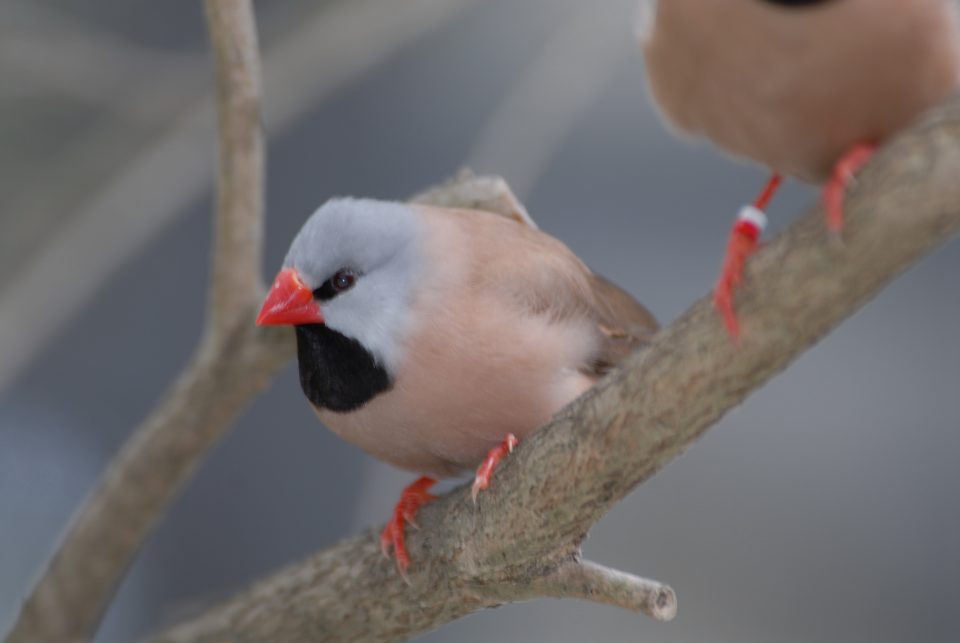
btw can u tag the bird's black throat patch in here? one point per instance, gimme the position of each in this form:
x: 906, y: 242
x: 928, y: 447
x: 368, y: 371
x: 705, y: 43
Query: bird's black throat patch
x: 336, y: 372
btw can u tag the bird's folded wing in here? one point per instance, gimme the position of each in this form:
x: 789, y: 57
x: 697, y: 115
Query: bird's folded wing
x: 624, y: 324
x: 547, y: 279
x: 518, y: 265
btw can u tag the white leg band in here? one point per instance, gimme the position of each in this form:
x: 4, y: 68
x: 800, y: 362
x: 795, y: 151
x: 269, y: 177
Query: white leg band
x: 753, y: 215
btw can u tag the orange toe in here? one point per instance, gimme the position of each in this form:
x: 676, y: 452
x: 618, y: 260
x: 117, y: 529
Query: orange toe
x: 843, y: 174
x: 412, y: 498
x: 487, y: 467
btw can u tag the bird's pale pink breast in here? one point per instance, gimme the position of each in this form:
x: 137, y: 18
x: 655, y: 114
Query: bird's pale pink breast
x: 476, y: 367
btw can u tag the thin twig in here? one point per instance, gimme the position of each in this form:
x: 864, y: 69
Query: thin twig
x: 562, y: 479
x: 589, y: 581
x: 469, y: 191
x: 238, y: 234
x: 231, y: 365
x: 337, y: 43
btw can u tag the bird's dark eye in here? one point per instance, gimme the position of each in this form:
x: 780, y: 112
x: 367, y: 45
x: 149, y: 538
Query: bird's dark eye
x: 342, y: 280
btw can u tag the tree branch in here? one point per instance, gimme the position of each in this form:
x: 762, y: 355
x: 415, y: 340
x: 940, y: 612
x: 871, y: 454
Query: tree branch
x: 233, y: 362
x: 592, y: 582
x: 523, y: 538
x: 238, y: 234
x: 332, y: 45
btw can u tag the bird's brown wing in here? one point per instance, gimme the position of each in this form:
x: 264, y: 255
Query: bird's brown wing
x: 544, y: 277
x: 623, y: 324
x: 560, y: 286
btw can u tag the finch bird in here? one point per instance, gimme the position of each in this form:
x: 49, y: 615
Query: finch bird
x: 435, y: 338
x: 808, y: 88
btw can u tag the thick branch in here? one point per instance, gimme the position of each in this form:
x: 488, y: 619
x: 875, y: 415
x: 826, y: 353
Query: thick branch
x: 561, y: 480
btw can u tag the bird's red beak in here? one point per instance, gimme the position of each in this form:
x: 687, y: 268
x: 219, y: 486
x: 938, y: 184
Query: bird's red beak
x: 289, y: 302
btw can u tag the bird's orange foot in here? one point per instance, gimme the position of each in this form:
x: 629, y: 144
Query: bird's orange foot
x: 412, y: 498
x: 744, y: 238
x: 485, y: 470
x: 843, y: 172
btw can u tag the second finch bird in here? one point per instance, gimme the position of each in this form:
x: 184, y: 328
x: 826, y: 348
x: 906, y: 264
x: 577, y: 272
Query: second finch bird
x: 808, y: 88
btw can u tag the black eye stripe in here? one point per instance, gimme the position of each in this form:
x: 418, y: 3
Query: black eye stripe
x: 342, y: 280
x: 325, y: 292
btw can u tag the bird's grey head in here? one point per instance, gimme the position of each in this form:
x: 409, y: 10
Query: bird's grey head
x: 361, y: 259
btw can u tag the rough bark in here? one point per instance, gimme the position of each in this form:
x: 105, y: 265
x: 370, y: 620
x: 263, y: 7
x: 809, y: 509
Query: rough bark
x: 523, y: 538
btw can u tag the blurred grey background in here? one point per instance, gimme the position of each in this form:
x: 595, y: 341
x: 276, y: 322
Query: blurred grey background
x: 824, y: 509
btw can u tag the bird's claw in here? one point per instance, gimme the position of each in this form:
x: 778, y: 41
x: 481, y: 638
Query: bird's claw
x: 485, y: 471
x: 844, y: 173
x: 723, y: 302
x: 412, y: 498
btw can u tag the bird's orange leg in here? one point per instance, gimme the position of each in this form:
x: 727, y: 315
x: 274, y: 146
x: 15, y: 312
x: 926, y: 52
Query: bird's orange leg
x: 843, y: 172
x: 412, y: 498
x: 485, y: 470
x: 743, y: 241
